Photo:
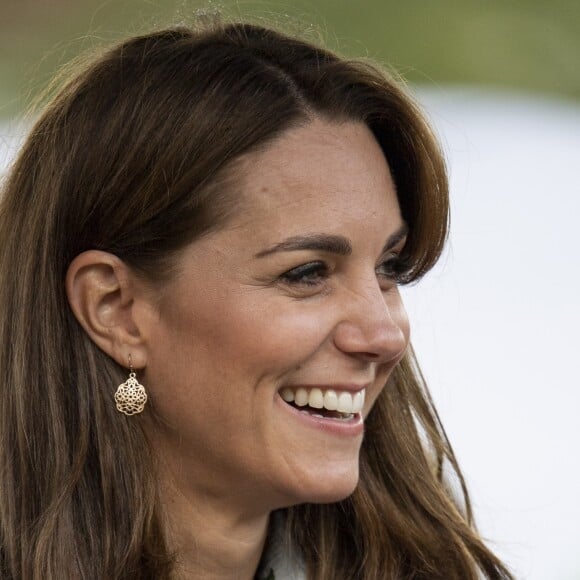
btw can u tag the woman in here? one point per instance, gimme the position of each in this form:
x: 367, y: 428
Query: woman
x: 206, y: 370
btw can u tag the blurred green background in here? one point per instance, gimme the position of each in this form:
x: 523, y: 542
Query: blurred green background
x: 525, y: 45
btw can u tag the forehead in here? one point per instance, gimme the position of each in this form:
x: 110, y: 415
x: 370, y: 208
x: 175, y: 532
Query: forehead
x: 318, y: 175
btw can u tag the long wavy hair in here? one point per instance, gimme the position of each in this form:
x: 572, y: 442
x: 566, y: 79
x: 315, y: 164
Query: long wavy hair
x: 135, y: 156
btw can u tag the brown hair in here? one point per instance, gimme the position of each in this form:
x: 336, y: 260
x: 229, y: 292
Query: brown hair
x: 133, y: 157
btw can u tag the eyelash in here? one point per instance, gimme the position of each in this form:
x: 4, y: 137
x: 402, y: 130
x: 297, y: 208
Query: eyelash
x: 313, y: 273
x: 302, y: 275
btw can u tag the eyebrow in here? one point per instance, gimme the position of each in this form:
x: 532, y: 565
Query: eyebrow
x: 327, y: 243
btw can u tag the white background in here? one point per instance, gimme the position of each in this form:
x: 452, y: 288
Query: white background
x: 496, y: 324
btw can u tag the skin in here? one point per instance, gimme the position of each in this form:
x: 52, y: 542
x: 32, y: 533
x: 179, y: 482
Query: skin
x: 216, y: 344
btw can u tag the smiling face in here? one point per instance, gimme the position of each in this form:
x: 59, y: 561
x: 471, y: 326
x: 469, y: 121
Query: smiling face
x: 293, y: 299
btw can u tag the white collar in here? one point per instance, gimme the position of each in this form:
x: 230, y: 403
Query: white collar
x: 280, y: 562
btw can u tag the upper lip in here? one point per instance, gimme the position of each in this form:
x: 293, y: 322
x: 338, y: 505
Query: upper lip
x: 335, y: 386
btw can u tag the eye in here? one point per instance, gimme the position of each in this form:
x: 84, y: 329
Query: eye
x: 310, y: 274
x: 390, y: 269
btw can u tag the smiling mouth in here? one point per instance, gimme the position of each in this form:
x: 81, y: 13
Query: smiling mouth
x: 325, y: 404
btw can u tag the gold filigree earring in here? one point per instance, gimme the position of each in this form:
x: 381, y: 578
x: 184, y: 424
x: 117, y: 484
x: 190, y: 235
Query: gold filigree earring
x: 130, y: 395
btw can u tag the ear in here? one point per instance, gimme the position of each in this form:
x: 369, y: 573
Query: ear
x: 103, y: 293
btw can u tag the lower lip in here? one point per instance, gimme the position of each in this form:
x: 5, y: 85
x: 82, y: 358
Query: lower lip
x: 350, y: 428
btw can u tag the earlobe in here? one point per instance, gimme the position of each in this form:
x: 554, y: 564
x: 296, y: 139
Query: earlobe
x: 101, y: 290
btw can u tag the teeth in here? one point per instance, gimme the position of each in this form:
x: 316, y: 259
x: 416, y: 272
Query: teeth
x: 342, y: 401
x: 330, y: 400
x: 301, y: 397
x: 345, y: 403
x: 316, y: 400
x: 358, y: 402
x: 287, y: 394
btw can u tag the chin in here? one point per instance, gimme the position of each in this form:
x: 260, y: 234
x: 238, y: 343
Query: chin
x: 325, y: 485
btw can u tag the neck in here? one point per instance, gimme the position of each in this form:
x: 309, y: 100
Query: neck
x: 210, y: 537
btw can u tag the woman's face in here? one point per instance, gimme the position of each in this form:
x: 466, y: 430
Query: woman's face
x: 293, y: 299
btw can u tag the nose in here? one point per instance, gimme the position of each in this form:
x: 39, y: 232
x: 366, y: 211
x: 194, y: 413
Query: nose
x: 374, y: 325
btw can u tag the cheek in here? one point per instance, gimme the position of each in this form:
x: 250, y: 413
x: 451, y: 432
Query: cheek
x: 272, y: 339
x: 247, y: 335
x: 400, y: 319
